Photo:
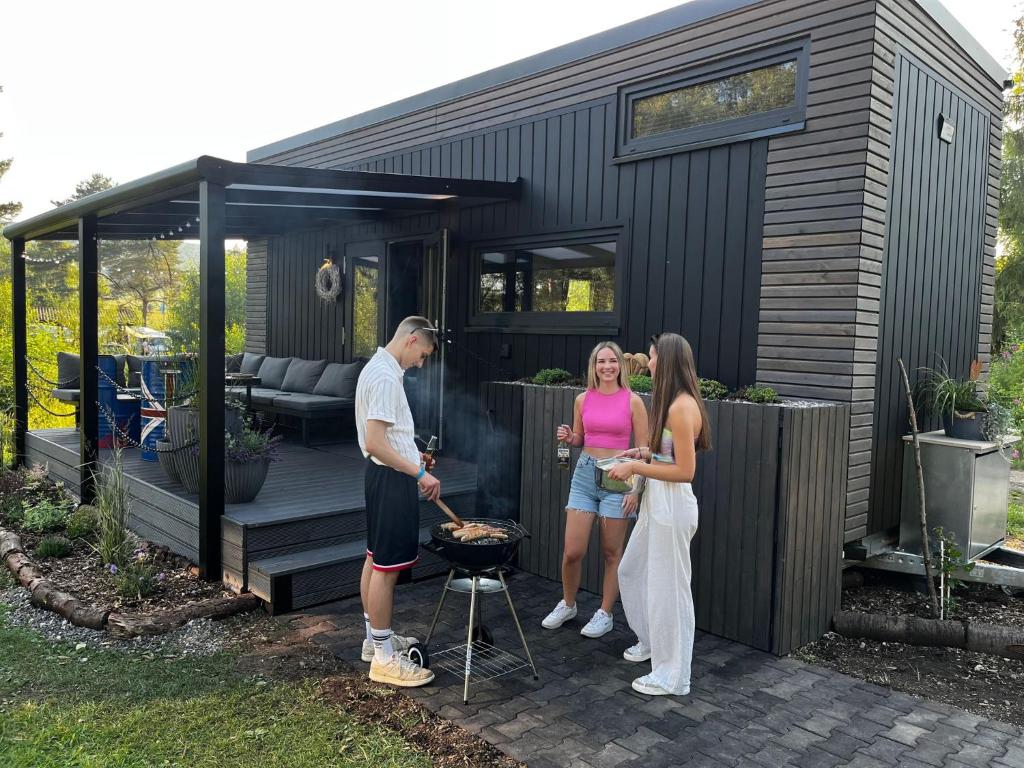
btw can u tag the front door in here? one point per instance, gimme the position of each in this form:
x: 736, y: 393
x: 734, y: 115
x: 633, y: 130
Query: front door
x: 416, y: 285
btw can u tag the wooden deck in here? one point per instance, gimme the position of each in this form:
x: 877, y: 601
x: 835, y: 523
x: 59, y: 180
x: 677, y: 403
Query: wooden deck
x: 310, y: 510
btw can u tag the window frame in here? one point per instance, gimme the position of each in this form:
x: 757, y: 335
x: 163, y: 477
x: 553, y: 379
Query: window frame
x: 551, y: 322
x: 775, y: 121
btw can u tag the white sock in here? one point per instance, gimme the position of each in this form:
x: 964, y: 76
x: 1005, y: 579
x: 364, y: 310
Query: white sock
x: 366, y: 621
x: 383, y: 650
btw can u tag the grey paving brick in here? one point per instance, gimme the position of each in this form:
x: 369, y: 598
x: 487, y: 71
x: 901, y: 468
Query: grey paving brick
x: 772, y: 754
x: 930, y: 752
x: 885, y: 750
x: 905, y: 733
x: 727, y: 750
x: 841, y: 744
x: 816, y: 758
x: 862, y: 728
x: 1014, y: 756
x: 950, y: 736
x: 883, y: 714
x: 964, y: 720
x: 823, y: 725
x: 987, y: 737
x: 611, y: 756
x: 799, y: 739
x: 974, y: 754
x: 641, y: 740
x: 516, y: 728
x: 866, y: 761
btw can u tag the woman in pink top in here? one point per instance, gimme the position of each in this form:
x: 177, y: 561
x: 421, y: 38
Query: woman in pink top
x: 604, y: 417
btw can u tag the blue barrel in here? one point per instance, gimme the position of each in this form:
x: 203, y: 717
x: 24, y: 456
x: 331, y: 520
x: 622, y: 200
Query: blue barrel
x: 153, y: 413
x: 107, y: 397
x: 128, y: 421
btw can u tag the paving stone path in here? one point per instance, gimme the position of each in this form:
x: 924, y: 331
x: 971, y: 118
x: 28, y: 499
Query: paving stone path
x: 746, y: 708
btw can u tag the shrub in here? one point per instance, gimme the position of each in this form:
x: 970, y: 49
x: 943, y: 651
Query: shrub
x: 46, y: 516
x: 711, y: 389
x: 640, y: 383
x: 53, y: 546
x: 755, y: 394
x: 552, y: 376
x: 84, y: 522
x: 12, y: 510
x: 138, y: 577
x: 1006, y: 382
x: 114, y: 505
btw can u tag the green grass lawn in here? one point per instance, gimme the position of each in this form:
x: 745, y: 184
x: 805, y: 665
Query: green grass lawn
x: 1015, y: 518
x: 62, y: 708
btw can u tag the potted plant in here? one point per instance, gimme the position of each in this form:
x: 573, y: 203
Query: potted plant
x: 248, y: 453
x: 958, y: 402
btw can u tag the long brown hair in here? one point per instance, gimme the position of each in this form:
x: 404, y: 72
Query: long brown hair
x: 675, y: 375
x: 592, y: 380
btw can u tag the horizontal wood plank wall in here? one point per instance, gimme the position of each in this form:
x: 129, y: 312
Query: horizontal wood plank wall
x: 256, y: 304
x: 903, y: 27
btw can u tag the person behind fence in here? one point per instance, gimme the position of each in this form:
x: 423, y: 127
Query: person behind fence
x: 395, y: 474
x: 603, y: 418
x: 654, y: 573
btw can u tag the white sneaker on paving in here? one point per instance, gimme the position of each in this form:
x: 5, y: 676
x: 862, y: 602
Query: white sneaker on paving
x: 646, y: 684
x: 561, y: 614
x: 401, y: 671
x: 637, y: 653
x: 600, y: 623
x: 399, y: 643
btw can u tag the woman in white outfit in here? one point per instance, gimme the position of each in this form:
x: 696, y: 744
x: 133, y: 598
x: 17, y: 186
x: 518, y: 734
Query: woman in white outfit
x: 654, y: 574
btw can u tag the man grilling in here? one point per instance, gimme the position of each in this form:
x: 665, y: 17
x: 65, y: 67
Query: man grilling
x: 395, y: 475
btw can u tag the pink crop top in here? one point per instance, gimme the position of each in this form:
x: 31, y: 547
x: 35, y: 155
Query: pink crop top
x: 607, y: 419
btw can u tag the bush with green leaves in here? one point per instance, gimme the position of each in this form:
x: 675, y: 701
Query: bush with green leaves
x: 552, y: 376
x: 84, y: 522
x: 712, y: 390
x: 138, y: 577
x: 12, y: 510
x: 756, y: 394
x: 640, y: 383
x: 113, y: 504
x: 46, y: 516
x: 1006, y: 383
x: 54, y: 546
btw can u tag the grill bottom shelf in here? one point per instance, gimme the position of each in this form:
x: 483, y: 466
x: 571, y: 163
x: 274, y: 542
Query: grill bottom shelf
x: 486, y: 662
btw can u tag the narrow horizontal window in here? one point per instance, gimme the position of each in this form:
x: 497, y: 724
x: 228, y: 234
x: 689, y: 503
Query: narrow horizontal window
x: 579, y: 277
x: 730, y: 98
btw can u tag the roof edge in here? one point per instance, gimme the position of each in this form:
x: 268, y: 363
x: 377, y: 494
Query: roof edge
x: 945, y: 19
x: 601, y: 42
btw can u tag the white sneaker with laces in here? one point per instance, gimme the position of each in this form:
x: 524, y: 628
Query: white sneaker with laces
x: 646, y: 684
x: 637, y: 653
x: 561, y: 614
x: 400, y: 671
x: 600, y: 623
x: 399, y: 643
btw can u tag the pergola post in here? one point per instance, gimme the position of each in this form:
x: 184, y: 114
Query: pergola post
x: 20, y: 347
x: 89, y: 350
x: 212, y: 220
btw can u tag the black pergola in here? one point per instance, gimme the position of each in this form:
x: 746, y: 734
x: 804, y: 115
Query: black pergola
x: 214, y: 200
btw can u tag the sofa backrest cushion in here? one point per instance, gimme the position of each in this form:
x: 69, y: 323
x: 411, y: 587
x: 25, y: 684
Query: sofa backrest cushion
x: 339, y: 380
x: 251, y: 363
x: 233, y: 363
x: 134, y: 364
x: 303, y: 375
x: 273, y: 370
x: 68, y: 370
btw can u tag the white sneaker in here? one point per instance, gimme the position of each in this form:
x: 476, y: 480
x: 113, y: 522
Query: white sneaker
x: 647, y: 685
x: 637, y: 653
x: 400, y: 671
x: 399, y: 643
x: 561, y: 614
x: 600, y: 623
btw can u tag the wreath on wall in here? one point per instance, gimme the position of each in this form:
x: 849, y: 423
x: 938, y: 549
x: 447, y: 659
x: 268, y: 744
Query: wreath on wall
x: 328, y: 281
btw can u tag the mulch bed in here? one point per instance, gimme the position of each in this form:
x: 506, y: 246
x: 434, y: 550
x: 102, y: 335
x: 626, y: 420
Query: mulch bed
x: 981, y: 683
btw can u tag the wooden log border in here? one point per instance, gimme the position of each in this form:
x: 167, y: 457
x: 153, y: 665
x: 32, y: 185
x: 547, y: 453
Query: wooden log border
x: 43, y: 594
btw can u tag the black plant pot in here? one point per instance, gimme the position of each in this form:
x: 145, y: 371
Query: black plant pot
x: 965, y: 425
x: 165, y: 455
x: 243, y: 480
x: 183, y: 433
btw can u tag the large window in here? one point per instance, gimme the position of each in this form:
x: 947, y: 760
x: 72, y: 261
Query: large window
x: 753, y: 94
x: 365, y: 311
x: 547, y: 282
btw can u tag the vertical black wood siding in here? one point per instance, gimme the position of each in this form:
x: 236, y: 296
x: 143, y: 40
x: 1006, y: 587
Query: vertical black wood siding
x: 767, y: 554
x: 931, y: 286
x: 499, y: 465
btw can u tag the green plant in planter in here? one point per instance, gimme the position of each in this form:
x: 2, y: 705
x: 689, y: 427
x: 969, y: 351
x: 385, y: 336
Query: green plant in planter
x: 712, y: 390
x: 549, y: 376
x: 755, y: 394
x: 945, y: 395
x: 54, y: 546
x: 640, y: 383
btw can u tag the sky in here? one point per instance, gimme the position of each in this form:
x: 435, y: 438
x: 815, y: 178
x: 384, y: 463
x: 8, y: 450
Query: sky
x: 130, y: 88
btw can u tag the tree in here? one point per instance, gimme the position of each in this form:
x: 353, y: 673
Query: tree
x: 1008, y: 323
x: 8, y: 210
x: 183, y: 312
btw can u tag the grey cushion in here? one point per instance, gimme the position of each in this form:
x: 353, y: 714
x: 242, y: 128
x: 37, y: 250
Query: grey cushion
x: 339, y: 380
x: 233, y: 363
x: 67, y: 370
x: 67, y: 395
x: 303, y: 375
x: 134, y: 365
x: 273, y: 370
x: 260, y: 395
x: 251, y: 363
x: 301, y: 403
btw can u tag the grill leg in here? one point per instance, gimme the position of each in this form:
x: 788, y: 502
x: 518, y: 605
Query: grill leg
x: 519, y: 627
x: 440, y: 605
x: 469, y: 642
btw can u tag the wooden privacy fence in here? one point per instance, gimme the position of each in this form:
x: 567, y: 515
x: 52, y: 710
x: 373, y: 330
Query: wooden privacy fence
x: 767, y: 554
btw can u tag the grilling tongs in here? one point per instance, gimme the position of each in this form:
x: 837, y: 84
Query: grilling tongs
x: 448, y: 511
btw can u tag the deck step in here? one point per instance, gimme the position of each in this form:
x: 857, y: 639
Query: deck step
x: 302, y: 579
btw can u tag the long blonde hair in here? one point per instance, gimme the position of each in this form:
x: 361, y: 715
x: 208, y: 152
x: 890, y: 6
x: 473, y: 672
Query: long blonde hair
x: 592, y: 381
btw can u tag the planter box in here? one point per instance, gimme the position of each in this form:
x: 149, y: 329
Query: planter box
x: 500, y: 450
x: 767, y: 555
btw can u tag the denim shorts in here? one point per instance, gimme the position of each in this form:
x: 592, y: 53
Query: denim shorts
x: 586, y: 496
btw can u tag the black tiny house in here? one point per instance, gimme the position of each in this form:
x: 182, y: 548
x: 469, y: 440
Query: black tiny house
x: 766, y: 176
x: 807, y: 191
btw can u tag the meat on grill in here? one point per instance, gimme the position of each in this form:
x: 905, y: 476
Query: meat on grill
x: 473, y: 531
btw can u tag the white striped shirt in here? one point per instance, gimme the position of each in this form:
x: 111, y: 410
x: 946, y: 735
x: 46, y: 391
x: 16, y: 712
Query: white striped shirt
x: 380, y: 395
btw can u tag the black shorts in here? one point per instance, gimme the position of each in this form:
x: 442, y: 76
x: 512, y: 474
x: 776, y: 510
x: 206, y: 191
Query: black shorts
x: 392, y: 518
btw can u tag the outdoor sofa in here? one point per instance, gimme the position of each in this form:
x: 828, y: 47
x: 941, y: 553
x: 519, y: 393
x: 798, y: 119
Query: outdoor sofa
x: 308, y: 390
